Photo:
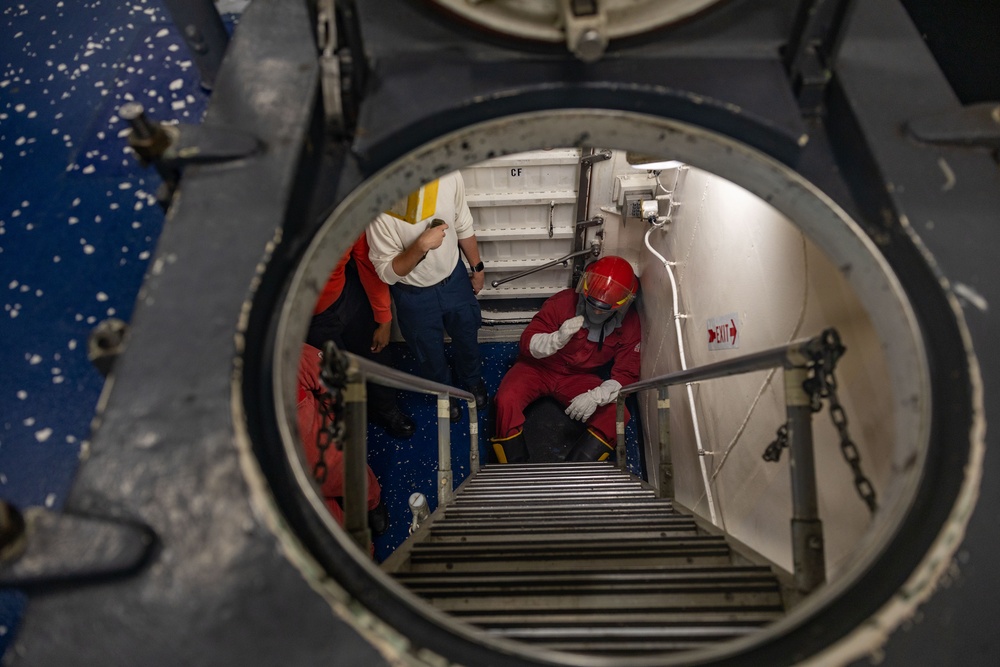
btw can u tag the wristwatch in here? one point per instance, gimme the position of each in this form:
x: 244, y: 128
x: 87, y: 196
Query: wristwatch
x: 478, y: 268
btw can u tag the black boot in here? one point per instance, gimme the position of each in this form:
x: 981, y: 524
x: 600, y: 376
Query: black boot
x: 455, y: 409
x: 394, y: 421
x: 590, y: 447
x: 511, y: 449
x: 482, y: 396
x: 378, y: 518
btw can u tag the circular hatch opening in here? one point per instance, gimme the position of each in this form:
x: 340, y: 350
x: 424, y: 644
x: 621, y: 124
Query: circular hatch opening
x: 931, y: 401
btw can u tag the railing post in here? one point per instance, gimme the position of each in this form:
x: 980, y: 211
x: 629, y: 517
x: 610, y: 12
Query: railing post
x: 473, y: 438
x: 807, y: 529
x: 355, y: 457
x: 665, y: 488
x: 444, y: 478
x: 620, y: 453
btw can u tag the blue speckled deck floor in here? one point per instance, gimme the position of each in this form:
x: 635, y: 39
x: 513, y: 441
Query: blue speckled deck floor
x: 78, y: 225
x: 78, y: 219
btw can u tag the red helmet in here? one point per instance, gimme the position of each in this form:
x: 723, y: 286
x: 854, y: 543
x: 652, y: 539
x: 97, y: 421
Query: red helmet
x: 609, y: 283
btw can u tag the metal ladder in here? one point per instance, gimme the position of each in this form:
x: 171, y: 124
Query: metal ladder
x: 584, y: 558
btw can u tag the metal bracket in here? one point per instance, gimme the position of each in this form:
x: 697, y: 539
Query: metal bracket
x: 106, y: 343
x: 330, y: 67
x: 586, y: 25
x: 974, y: 125
x: 812, y: 49
x: 170, y: 148
x: 599, y: 156
x: 72, y: 549
x: 596, y: 221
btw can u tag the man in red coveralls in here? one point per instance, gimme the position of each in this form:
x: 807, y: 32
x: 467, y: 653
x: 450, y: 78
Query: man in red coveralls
x: 575, y: 333
x: 311, y: 421
x: 353, y: 311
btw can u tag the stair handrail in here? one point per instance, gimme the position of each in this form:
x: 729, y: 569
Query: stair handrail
x: 347, y: 372
x: 594, y: 249
x: 797, y: 359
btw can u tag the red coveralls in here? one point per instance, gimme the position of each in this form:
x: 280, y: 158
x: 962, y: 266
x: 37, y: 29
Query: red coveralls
x: 569, y: 372
x: 310, y: 420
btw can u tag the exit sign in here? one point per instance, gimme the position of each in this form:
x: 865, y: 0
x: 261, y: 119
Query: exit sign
x: 724, y: 332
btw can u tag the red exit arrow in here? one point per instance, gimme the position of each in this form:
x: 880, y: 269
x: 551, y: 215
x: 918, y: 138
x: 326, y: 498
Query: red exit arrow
x: 722, y: 334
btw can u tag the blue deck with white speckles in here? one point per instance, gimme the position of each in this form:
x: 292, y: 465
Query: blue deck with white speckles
x: 78, y: 225
x: 78, y: 219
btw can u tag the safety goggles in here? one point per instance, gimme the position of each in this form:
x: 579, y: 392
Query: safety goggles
x: 598, y: 305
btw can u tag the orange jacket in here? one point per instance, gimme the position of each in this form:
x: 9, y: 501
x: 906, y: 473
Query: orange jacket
x: 377, y: 291
x: 311, y: 420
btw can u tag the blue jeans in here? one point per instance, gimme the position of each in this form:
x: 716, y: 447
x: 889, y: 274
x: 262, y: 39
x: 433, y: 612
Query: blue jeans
x: 426, y: 313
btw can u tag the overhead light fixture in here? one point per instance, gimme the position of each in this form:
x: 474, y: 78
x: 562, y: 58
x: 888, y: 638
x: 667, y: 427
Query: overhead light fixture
x: 651, y: 162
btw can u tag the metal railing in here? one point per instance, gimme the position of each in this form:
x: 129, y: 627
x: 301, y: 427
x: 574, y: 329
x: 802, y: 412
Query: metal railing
x: 347, y: 373
x: 798, y: 359
x: 594, y: 250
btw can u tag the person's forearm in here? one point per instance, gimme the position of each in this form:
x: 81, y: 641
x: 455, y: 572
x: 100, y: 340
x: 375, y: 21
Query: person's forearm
x: 470, y: 248
x: 407, y: 260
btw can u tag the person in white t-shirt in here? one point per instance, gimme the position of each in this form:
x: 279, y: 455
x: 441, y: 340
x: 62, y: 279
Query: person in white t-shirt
x: 415, y: 249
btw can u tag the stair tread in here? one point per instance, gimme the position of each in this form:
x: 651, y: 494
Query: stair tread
x: 585, y: 558
x: 648, y: 574
x: 637, y: 617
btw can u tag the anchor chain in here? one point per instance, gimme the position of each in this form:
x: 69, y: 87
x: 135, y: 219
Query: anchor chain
x: 822, y: 384
x: 333, y: 429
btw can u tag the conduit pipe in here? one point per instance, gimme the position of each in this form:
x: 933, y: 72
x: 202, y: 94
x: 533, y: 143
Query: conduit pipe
x: 659, y: 223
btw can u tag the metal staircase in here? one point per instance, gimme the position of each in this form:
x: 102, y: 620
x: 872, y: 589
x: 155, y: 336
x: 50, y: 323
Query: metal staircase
x: 584, y: 558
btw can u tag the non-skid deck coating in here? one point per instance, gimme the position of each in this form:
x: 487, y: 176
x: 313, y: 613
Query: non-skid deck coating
x: 78, y: 230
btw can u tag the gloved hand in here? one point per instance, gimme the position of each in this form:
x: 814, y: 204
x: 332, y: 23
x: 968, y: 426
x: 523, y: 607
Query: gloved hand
x: 545, y: 345
x: 584, y: 405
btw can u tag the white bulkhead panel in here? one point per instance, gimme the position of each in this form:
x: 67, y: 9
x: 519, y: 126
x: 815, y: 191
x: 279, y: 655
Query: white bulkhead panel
x: 524, y: 207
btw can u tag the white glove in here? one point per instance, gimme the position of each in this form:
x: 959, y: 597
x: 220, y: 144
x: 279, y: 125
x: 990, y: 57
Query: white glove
x: 545, y: 345
x: 584, y: 405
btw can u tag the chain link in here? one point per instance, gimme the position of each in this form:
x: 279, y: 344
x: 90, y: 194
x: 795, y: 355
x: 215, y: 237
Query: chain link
x: 331, y: 433
x: 773, y: 452
x: 821, y: 384
x: 847, y: 446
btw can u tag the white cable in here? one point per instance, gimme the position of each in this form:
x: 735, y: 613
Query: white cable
x: 683, y: 359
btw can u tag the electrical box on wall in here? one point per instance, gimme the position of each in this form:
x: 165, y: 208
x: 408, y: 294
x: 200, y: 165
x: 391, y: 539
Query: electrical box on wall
x: 630, y: 191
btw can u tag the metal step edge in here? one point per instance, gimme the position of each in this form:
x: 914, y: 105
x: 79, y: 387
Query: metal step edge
x: 568, y: 520
x: 462, y: 502
x: 540, y: 597
x: 565, y: 509
x: 526, y: 618
x: 514, y: 585
x: 554, y: 564
x: 488, y: 540
x: 551, y: 558
x: 561, y: 465
x: 539, y: 292
x: 633, y: 543
x: 553, y: 467
x: 534, y: 233
x: 599, y: 632
x: 633, y: 648
x: 536, y: 198
x: 561, y: 483
x: 475, y: 528
x: 566, y: 495
x: 553, y: 470
x: 559, y: 490
x: 736, y: 571
x: 574, y: 519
